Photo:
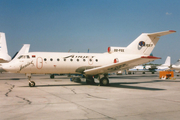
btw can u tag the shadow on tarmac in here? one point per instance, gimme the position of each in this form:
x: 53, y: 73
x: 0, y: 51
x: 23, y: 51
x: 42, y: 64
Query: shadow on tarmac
x: 11, y: 79
x: 115, y: 85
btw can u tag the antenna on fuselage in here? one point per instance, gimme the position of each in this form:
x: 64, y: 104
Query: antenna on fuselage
x: 69, y: 50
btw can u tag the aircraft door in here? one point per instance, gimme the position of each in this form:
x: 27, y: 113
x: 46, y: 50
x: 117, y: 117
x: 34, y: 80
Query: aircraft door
x: 39, y: 63
x: 90, y: 62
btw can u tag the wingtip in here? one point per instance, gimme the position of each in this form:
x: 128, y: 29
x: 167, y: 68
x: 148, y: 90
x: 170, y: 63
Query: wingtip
x: 172, y: 31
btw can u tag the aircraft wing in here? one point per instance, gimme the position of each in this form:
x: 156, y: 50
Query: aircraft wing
x: 120, y: 66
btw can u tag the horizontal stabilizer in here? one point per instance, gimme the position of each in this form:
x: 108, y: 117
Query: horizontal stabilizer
x: 158, y: 34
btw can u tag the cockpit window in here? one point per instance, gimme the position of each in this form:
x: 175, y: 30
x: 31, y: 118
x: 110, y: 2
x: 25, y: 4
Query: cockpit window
x: 24, y: 57
x: 20, y: 57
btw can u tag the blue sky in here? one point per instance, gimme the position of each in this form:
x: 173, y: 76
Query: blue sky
x: 61, y: 25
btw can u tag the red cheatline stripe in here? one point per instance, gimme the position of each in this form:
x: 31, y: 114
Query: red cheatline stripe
x: 150, y: 57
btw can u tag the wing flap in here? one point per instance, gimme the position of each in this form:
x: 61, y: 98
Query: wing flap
x: 120, y: 66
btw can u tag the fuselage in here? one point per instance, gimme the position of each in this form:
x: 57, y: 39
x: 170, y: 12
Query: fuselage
x: 175, y: 67
x: 62, y: 63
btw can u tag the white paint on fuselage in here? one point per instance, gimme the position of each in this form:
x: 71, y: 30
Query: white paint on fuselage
x: 63, y: 63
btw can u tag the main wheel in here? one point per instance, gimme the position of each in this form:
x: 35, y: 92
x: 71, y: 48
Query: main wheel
x: 90, y: 80
x: 52, y: 76
x: 104, y: 81
x: 78, y: 80
x: 31, y: 84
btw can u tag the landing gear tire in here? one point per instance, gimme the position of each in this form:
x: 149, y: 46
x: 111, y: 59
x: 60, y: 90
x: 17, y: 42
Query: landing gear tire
x: 31, y: 84
x: 90, y: 80
x: 52, y: 76
x: 104, y: 81
x: 78, y: 80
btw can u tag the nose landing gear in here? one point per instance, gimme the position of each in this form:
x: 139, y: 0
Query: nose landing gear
x: 31, y: 83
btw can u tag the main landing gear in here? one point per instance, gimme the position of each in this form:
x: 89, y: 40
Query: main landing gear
x: 76, y: 79
x: 90, y: 80
x: 103, y: 80
x: 31, y: 83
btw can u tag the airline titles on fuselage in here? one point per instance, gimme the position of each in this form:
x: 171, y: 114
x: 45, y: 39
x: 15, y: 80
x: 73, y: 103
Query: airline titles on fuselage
x: 26, y: 65
x: 74, y: 56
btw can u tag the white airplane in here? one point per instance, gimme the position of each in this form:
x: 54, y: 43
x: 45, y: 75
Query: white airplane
x: 164, y: 66
x: 88, y: 64
x: 150, y: 68
x: 176, y: 66
x: 4, y: 57
x: 23, y: 50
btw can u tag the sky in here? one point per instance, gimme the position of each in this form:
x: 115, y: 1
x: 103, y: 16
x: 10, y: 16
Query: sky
x: 79, y: 25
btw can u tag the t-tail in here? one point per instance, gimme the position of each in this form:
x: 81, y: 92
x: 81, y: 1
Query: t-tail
x: 143, y: 45
x: 4, y: 57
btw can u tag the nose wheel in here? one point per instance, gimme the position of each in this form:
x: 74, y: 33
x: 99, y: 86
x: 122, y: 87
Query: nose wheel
x: 31, y: 83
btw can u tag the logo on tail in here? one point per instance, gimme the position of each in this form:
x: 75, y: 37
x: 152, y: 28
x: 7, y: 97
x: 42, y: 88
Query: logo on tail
x: 141, y: 43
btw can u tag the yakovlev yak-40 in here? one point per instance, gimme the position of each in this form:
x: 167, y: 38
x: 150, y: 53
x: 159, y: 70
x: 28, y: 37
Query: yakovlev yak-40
x: 88, y: 64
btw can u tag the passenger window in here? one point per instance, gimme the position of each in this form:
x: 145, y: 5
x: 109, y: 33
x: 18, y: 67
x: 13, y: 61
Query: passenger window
x: 45, y: 59
x: 78, y: 60
x: 58, y: 59
x: 71, y: 59
x: 64, y: 59
x: 96, y: 60
x: 51, y: 59
x: 84, y: 60
x: 28, y: 56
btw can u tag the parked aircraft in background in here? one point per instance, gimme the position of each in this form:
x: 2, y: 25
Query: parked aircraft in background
x: 152, y: 68
x: 23, y: 50
x: 176, y: 66
x: 88, y: 64
x: 4, y: 57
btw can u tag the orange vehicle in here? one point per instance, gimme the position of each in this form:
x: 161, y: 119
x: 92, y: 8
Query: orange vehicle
x: 166, y: 74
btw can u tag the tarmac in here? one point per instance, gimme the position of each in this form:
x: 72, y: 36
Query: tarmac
x: 129, y: 97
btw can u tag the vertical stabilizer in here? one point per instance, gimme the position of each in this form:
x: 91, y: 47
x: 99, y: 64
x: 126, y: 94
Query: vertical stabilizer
x: 168, y: 61
x: 23, y: 50
x: 4, y: 57
x: 3, y: 45
x: 177, y: 63
x: 146, y: 42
